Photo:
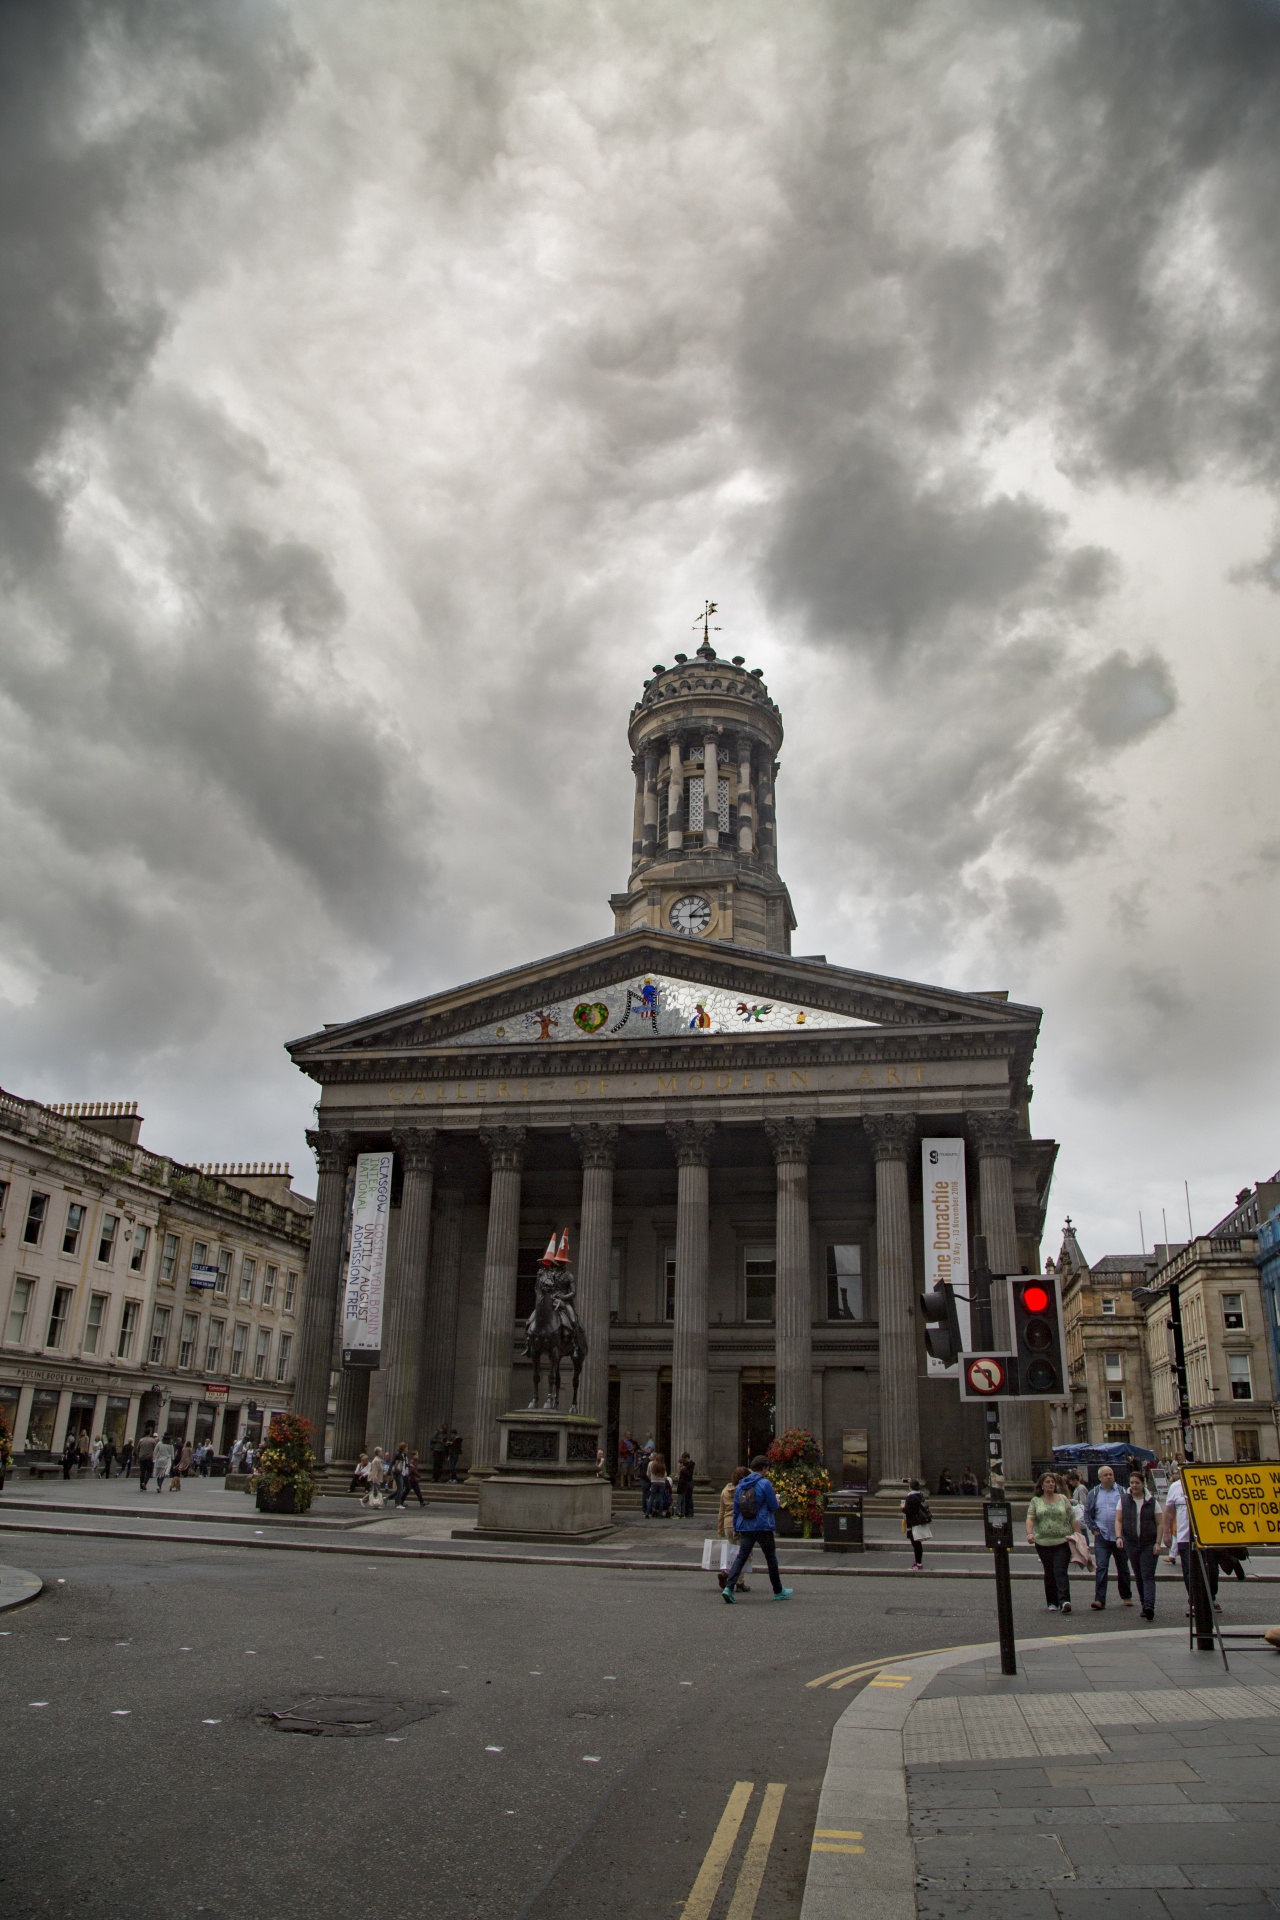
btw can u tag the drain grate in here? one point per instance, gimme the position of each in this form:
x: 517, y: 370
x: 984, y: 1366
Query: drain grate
x: 341, y: 1715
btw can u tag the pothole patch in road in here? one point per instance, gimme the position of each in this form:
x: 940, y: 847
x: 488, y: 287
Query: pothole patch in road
x: 342, y: 1715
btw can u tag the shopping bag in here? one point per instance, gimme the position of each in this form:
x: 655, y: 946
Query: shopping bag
x: 708, y: 1548
x: 725, y: 1558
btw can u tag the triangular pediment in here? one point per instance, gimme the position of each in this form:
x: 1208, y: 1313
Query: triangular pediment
x: 648, y: 984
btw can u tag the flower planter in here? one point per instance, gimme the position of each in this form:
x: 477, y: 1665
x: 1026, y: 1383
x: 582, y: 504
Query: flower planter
x: 283, y: 1501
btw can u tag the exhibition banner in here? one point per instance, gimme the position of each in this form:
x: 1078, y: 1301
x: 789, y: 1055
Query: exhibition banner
x: 946, y: 1233
x: 367, y: 1265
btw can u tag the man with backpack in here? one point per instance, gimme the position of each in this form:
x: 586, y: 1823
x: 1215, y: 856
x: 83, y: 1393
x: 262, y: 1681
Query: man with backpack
x: 755, y: 1520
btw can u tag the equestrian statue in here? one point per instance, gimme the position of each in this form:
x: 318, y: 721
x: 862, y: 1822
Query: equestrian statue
x: 553, y: 1328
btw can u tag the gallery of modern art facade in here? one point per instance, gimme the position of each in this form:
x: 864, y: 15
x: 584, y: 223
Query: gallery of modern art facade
x: 734, y: 1136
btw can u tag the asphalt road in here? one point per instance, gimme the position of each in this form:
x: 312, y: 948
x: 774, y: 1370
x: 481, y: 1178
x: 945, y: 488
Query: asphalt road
x: 572, y: 1740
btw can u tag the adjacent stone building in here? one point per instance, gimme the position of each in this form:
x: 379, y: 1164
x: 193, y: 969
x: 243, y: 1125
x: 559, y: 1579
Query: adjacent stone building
x: 732, y: 1133
x: 1106, y: 1335
x: 1226, y: 1336
x: 136, y: 1289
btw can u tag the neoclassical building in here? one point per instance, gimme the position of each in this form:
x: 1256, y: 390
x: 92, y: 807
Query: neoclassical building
x: 731, y: 1132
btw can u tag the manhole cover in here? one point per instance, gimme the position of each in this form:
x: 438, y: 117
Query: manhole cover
x: 340, y: 1715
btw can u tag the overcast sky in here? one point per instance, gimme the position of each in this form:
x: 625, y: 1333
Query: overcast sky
x: 382, y: 389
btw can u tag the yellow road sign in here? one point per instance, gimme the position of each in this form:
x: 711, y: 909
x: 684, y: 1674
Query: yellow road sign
x: 1235, y: 1506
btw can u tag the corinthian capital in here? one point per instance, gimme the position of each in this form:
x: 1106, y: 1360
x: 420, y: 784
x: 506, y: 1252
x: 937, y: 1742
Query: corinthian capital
x: 331, y: 1147
x: 995, y: 1135
x: 791, y: 1140
x: 596, y: 1141
x: 505, y: 1147
x: 417, y: 1148
x: 892, y: 1135
x: 691, y: 1140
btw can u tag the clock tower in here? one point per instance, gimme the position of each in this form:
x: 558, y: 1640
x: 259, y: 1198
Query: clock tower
x: 705, y: 738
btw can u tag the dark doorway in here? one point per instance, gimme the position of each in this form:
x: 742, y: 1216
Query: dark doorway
x: 663, y: 1435
x: 611, y: 1431
x: 755, y: 1417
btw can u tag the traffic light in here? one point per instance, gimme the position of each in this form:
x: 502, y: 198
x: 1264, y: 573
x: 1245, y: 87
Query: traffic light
x: 1038, y: 1344
x: 942, y: 1324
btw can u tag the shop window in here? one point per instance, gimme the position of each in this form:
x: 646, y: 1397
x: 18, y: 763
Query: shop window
x: 187, y: 1343
x: 107, y: 1238
x: 290, y: 1291
x: 760, y: 1276
x: 169, y: 1256
x: 283, y: 1352
x: 1239, y: 1376
x: 262, y: 1353
x: 95, y: 1322
x: 213, y: 1346
x: 20, y: 1311
x: 1233, y: 1312
x: 37, y: 1208
x: 138, y: 1256
x: 1246, y: 1445
x: 248, y: 1275
x: 59, y: 1314
x: 159, y: 1336
x: 844, y: 1283
x: 268, y: 1286
x: 128, y: 1329
x: 73, y: 1229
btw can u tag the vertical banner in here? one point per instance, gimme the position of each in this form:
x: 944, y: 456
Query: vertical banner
x: 946, y: 1233
x: 367, y: 1266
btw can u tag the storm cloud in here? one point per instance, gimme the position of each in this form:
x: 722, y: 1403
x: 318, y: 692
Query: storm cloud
x: 382, y: 391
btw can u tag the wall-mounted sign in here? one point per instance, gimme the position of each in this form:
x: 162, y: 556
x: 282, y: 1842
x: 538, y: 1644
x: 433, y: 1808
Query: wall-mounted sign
x: 214, y: 1392
x: 366, y: 1268
x: 946, y: 1233
x: 203, y: 1277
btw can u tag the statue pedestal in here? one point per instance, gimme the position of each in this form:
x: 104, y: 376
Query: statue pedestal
x: 545, y: 1487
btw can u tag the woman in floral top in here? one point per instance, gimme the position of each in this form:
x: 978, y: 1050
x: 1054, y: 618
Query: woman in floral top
x: 1051, y: 1522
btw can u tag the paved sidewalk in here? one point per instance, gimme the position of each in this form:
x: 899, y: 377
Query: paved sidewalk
x: 1122, y: 1774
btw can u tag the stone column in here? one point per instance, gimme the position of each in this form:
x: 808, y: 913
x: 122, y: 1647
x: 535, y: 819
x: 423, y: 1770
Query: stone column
x: 675, y: 796
x: 61, y: 1420
x: 332, y: 1149
x: 995, y: 1136
x: 498, y: 1306
x: 351, y: 1417
x: 406, y: 1305
x: 637, y: 812
x: 746, y: 826
x: 792, y: 1144
x: 650, y: 835
x: 131, y: 1417
x: 597, y: 1143
x: 710, y: 792
x: 691, y: 1140
x: 892, y: 1136
x: 768, y: 825
x: 440, y: 1337
x: 22, y: 1417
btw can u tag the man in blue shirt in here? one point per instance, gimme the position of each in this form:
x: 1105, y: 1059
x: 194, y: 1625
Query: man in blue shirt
x: 1100, y: 1519
x: 755, y: 1519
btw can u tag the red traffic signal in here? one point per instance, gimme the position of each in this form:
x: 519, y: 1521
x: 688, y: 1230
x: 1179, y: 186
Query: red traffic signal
x: 1038, y: 1340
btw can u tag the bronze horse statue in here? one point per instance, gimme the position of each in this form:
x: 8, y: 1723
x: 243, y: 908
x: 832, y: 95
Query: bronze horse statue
x: 554, y: 1330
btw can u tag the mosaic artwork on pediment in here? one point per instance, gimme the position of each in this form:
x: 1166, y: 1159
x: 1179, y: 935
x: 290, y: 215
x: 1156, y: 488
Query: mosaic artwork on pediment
x: 654, y: 1005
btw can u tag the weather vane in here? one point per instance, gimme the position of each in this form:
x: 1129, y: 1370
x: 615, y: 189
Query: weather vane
x: 704, y: 621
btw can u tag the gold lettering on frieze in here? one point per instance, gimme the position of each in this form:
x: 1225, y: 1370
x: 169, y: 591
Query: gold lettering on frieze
x: 666, y: 1086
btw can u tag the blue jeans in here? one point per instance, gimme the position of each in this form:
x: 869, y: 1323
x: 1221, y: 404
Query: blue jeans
x: 1185, y: 1552
x: 1104, y: 1551
x: 765, y: 1542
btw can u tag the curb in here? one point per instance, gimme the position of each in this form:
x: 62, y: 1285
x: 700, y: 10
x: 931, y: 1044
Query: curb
x: 17, y: 1586
x: 863, y: 1860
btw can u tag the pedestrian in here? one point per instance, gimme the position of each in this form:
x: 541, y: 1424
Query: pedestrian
x: 412, y: 1481
x: 377, y: 1479
x: 146, y: 1456
x: 969, y: 1484
x: 684, y: 1487
x: 755, y: 1520
x: 360, y: 1478
x: 1137, y: 1529
x: 237, y: 1455
x: 181, y: 1467
x: 1051, y: 1523
x: 917, y: 1522
x: 1100, y: 1508
x: 68, y: 1454
x: 439, y: 1449
x: 626, y: 1460
x: 82, y: 1452
x: 95, y: 1452
x: 1175, y: 1537
x: 106, y: 1456
x: 655, y: 1473
x: 945, y: 1483
x: 724, y: 1523
x: 126, y: 1459
x: 162, y: 1460
x: 399, y: 1474
x: 453, y: 1454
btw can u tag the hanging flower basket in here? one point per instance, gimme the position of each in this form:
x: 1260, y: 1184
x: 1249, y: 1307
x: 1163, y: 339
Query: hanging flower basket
x: 285, y: 1479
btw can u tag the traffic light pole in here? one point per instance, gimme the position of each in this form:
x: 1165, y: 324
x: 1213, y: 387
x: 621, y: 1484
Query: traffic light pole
x: 997, y: 1522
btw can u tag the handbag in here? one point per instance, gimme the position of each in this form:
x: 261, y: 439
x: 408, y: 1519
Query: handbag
x: 922, y: 1532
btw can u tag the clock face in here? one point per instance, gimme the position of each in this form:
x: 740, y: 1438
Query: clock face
x: 691, y: 914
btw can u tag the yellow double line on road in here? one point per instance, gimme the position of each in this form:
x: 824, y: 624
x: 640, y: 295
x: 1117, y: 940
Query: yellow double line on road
x: 702, y: 1894
x: 841, y: 1677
